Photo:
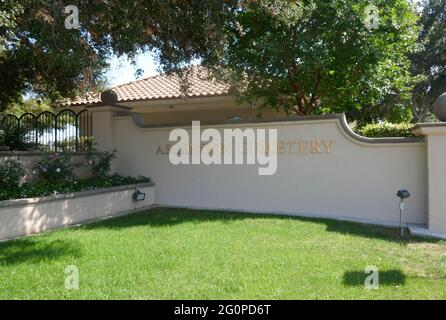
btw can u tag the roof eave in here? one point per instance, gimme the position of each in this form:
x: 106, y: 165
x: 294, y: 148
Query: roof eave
x: 162, y: 100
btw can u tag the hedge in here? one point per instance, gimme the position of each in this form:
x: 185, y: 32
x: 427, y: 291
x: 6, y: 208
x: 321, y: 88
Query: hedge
x: 43, y: 188
x: 385, y: 130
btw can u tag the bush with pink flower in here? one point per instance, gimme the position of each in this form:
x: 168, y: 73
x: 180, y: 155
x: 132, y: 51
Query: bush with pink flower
x: 55, y: 175
x: 54, y: 167
x: 100, y: 162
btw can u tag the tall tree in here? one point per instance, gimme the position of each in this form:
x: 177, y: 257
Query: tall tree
x: 30, y: 105
x: 316, y: 56
x: 430, y: 62
x: 39, y: 54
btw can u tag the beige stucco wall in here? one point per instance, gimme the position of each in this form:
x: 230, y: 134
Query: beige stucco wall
x: 28, y: 216
x: 179, y: 116
x: 357, y: 180
x: 436, y: 154
x: 204, y: 109
x: 437, y: 203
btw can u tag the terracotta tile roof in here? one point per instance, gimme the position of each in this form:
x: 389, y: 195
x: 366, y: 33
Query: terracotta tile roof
x: 161, y: 87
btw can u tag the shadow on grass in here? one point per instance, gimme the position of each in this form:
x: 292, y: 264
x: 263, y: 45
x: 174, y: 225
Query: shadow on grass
x: 385, y: 278
x: 36, y: 250
x: 166, y: 217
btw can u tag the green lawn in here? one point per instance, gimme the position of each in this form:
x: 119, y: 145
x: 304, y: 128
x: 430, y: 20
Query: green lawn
x: 188, y: 254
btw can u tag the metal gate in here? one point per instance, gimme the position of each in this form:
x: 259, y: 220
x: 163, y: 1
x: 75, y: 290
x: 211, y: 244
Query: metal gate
x: 65, y: 131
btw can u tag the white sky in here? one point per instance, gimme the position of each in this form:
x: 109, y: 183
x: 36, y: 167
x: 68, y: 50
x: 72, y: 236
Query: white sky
x: 122, y: 71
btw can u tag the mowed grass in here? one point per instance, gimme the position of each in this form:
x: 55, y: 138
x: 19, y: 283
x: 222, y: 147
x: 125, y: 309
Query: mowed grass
x: 189, y: 254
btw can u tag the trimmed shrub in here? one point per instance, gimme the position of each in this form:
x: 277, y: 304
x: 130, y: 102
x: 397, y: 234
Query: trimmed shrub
x: 45, y: 188
x: 385, y: 130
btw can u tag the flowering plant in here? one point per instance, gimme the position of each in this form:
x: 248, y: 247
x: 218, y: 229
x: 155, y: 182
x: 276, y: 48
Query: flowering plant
x: 54, y: 167
x: 100, y: 162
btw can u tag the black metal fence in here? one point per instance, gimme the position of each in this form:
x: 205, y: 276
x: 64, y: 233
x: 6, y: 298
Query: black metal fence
x: 65, y: 131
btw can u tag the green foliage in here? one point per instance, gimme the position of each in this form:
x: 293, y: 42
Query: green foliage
x: 10, y: 174
x: 38, y: 54
x: 318, y: 56
x: 54, y: 168
x: 47, y: 187
x: 16, y: 138
x: 84, y: 144
x: 31, y: 105
x: 429, y: 63
x: 55, y: 175
x: 312, y: 56
x: 385, y: 129
x: 100, y: 162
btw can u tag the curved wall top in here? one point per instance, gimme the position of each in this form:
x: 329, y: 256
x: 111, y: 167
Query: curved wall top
x: 340, y: 117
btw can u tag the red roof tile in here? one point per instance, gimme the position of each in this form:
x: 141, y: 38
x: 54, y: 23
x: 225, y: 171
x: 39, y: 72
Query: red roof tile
x: 161, y: 87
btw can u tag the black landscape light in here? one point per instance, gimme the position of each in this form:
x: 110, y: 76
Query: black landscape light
x: 139, y: 196
x: 402, y: 194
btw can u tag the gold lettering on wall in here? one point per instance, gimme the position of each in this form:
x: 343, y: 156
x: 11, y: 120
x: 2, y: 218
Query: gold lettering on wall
x: 281, y: 147
x: 316, y: 147
x: 303, y: 147
x: 288, y: 147
x: 328, y: 145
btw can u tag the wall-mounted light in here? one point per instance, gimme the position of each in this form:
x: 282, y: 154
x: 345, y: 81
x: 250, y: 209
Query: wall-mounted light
x: 402, y: 194
x: 139, y: 196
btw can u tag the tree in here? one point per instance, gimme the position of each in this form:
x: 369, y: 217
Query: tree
x: 317, y: 56
x: 31, y: 105
x: 430, y: 62
x: 39, y: 54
